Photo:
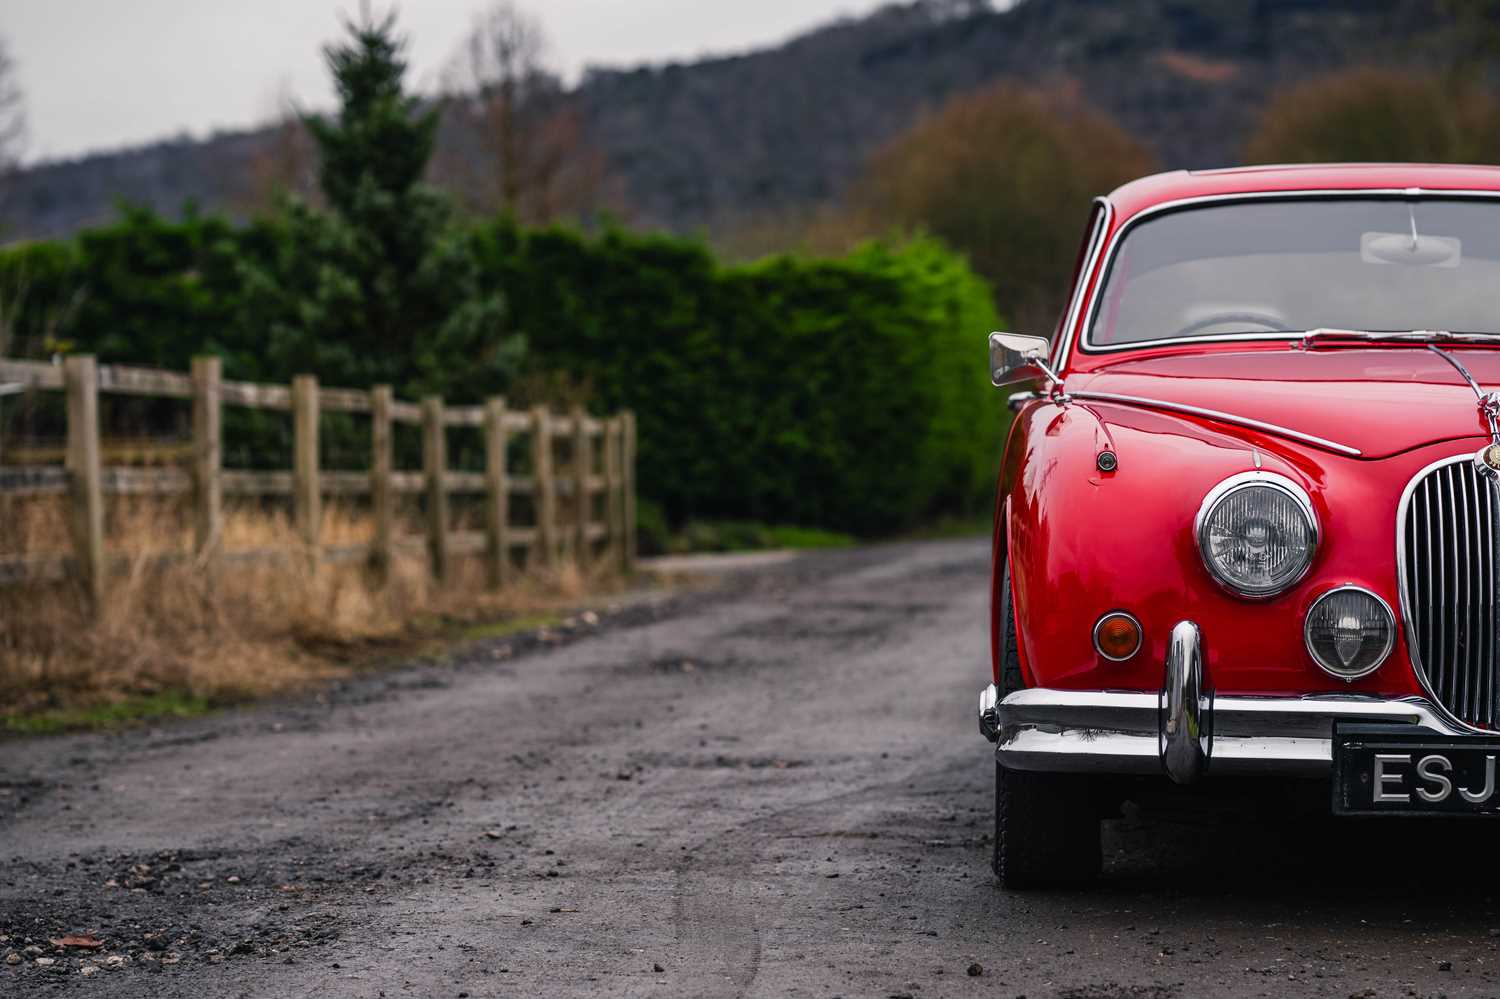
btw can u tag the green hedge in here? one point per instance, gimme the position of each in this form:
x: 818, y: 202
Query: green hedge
x: 849, y: 394
x: 142, y: 290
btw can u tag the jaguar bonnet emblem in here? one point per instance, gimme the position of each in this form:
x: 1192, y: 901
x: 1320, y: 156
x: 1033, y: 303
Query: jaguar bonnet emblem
x: 1487, y: 458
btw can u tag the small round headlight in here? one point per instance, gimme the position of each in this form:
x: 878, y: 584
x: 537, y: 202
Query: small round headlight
x: 1349, y: 632
x: 1257, y: 533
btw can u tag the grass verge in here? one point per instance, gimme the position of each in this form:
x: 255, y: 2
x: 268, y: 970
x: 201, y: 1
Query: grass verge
x: 946, y: 528
x: 181, y: 639
x: 509, y: 627
x: 127, y: 711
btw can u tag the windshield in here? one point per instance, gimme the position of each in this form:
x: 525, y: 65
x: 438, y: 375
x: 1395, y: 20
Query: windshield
x: 1262, y: 267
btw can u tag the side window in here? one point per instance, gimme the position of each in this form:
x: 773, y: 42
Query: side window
x: 1091, y: 235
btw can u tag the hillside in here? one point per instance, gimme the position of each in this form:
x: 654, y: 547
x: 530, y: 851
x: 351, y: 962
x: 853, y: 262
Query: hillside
x: 700, y: 146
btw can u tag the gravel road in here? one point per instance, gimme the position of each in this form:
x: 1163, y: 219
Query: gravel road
x: 773, y: 789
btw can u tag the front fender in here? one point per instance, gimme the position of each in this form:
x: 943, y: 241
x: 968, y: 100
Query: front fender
x: 1082, y: 542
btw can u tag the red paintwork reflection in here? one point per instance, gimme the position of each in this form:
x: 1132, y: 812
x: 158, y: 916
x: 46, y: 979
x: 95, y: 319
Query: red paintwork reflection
x: 1082, y: 543
x: 1381, y: 401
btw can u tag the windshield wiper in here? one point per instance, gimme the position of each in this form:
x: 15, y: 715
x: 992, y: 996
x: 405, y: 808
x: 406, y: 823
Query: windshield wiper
x: 1312, y: 337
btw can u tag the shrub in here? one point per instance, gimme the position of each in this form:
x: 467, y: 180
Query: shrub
x: 748, y: 535
x: 847, y: 394
x: 653, y: 533
x: 141, y: 289
x: 36, y: 297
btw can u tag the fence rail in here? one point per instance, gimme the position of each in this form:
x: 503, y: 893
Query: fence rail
x: 600, y: 464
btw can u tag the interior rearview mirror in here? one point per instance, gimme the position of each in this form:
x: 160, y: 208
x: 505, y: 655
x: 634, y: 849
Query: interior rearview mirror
x: 1015, y: 358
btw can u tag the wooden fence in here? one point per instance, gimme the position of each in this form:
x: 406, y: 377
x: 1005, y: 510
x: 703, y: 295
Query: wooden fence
x: 601, y: 460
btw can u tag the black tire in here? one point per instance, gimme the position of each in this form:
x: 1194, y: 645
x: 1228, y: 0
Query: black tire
x: 1046, y: 825
x: 1046, y: 829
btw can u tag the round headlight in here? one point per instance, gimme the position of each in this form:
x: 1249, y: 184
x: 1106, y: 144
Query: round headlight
x: 1257, y: 533
x: 1349, y: 632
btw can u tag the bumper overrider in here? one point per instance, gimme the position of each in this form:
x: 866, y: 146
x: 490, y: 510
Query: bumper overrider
x: 1183, y: 730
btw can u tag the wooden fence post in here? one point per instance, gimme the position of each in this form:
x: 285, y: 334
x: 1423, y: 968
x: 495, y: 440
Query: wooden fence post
x: 497, y: 496
x: 81, y: 380
x: 614, y: 434
x: 583, y: 471
x: 307, y: 494
x: 382, y: 505
x: 435, y: 461
x: 208, y: 488
x: 545, y: 494
x: 628, y: 463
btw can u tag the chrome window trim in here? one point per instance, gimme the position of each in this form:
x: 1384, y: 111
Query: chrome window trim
x: 1412, y: 652
x: 1140, y: 635
x: 1097, y: 239
x: 1244, y: 480
x: 1214, y: 414
x: 1390, y: 641
x: 1085, y: 343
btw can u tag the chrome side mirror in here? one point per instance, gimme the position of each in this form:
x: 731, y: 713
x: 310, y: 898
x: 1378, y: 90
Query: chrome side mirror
x: 1016, y: 359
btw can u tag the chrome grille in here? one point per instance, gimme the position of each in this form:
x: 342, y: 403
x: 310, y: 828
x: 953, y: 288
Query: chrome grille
x: 1448, y: 588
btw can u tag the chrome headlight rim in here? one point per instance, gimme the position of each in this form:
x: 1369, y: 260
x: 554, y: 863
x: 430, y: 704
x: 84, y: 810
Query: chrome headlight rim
x: 1247, y: 480
x: 1390, y: 637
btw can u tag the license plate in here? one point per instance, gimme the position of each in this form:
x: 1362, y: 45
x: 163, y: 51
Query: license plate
x: 1381, y: 771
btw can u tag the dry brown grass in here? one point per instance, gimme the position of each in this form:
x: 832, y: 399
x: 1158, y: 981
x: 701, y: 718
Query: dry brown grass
x: 245, y: 630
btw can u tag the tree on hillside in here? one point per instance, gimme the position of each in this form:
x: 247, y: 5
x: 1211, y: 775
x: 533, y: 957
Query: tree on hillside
x: 1474, y: 34
x: 383, y: 287
x: 515, y: 141
x: 957, y: 10
x: 1005, y: 176
x: 1375, y: 115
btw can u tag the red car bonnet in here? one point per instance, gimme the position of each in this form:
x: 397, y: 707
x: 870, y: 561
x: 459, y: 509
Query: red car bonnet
x: 1381, y: 401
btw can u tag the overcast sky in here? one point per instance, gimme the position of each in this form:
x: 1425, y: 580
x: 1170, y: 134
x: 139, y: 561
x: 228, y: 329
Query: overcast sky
x: 104, y: 73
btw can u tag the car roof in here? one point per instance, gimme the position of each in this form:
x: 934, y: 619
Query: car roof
x: 1178, y: 185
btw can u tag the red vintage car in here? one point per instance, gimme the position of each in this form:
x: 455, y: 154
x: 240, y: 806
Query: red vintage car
x: 1248, y: 520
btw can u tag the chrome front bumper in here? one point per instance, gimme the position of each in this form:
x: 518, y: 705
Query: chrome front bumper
x: 1183, y: 731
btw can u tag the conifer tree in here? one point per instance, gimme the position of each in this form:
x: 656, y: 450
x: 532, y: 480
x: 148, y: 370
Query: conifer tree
x: 384, y: 286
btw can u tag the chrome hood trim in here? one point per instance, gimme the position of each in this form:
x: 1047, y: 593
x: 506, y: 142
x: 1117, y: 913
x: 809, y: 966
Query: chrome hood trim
x: 1222, y: 417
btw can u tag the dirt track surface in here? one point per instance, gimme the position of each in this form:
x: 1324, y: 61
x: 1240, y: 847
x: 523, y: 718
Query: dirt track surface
x: 777, y: 789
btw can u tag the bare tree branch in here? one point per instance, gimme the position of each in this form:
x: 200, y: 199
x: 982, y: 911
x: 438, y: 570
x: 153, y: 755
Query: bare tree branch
x: 517, y: 141
x: 284, y: 164
x: 12, y: 118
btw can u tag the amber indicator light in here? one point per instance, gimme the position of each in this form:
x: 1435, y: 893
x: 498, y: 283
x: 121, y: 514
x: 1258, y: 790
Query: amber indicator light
x: 1117, y: 636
